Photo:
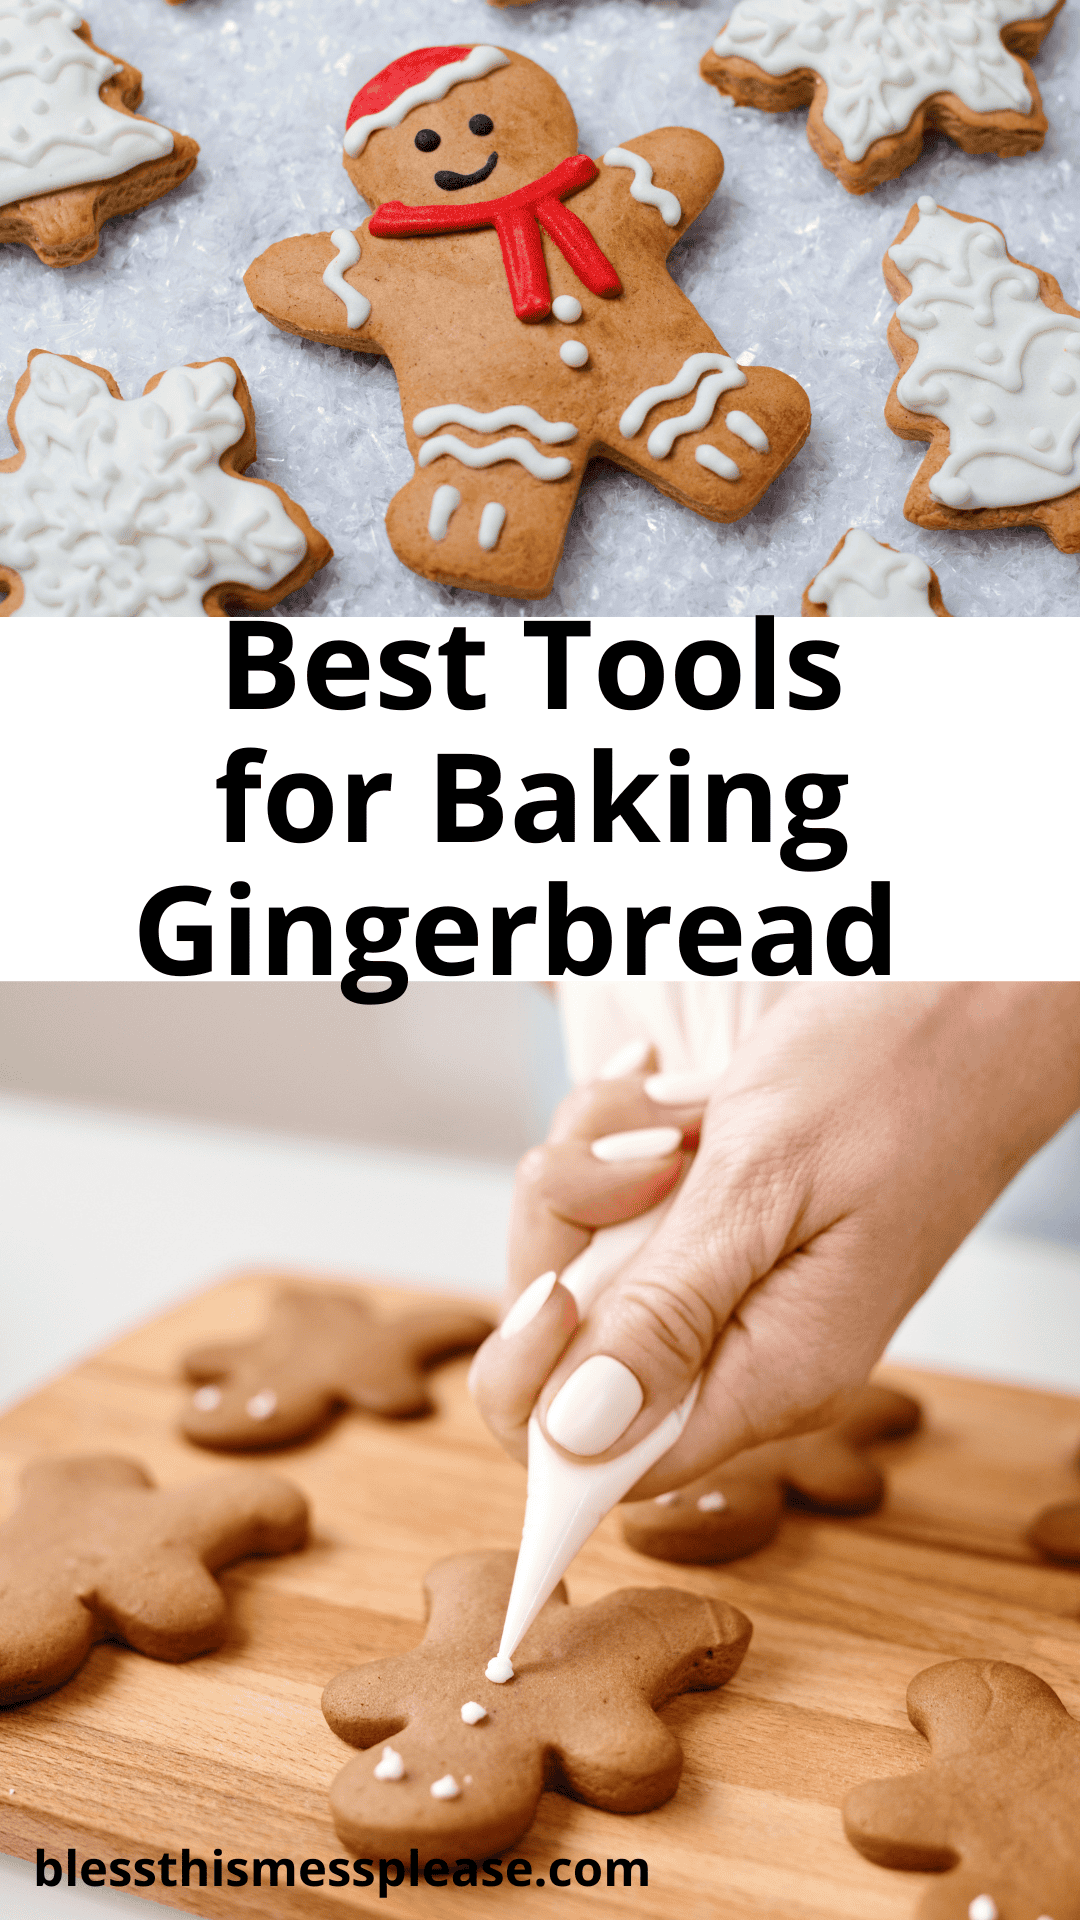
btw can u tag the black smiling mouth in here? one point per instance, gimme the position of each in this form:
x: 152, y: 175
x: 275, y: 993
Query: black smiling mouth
x: 451, y: 182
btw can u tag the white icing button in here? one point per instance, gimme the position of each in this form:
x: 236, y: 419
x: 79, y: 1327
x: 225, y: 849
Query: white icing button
x: 391, y: 1766
x: 712, y: 1502
x: 206, y: 1399
x: 1041, y: 438
x: 988, y: 353
x: 472, y: 1713
x: 447, y: 1789
x: 983, y: 1908
x: 262, y: 1405
x: 926, y: 204
x: 666, y: 1499
x: 1062, y: 382
x: 498, y: 1669
x: 574, y: 352
x: 982, y: 415
x: 565, y: 307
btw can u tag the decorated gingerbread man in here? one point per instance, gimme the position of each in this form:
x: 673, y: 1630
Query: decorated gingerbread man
x: 521, y: 291
x: 455, y: 1763
x: 95, y: 1551
x: 322, y: 1348
x: 995, y: 1815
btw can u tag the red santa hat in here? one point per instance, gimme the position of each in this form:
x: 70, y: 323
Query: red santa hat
x: 416, y: 80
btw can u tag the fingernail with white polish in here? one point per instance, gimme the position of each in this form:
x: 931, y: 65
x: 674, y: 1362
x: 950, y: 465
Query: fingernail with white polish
x: 680, y: 1089
x: 626, y: 1060
x: 595, y: 1406
x: 527, y: 1305
x: 644, y: 1143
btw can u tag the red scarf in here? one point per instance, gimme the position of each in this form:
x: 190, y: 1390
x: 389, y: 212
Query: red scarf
x: 517, y: 218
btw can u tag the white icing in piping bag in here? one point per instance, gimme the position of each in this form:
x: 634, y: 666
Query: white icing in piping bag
x: 567, y: 1499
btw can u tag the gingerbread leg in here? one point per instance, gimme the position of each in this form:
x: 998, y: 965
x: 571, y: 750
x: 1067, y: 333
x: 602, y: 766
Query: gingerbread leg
x: 714, y: 436
x: 497, y: 528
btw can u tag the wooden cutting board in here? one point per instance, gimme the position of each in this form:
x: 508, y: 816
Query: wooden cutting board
x: 135, y: 1757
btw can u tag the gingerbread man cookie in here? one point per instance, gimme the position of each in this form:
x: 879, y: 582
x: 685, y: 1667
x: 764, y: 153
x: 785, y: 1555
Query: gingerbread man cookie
x: 321, y: 1349
x: 736, y: 1508
x: 73, y: 152
x: 95, y: 1551
x: 863, y: 577
x: 876, y: 74
x: 521, y: 291
x: 462, y: 1761
x: 989, y: 357
x: 141, y: 507
x: 996, y: 1812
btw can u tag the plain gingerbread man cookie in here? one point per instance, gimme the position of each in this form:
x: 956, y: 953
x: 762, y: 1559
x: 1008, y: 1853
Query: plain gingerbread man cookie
x: 73, y: 152
x: 996, y: 1812
x: 878, y: 74
x: 734, y: 1509
x: 989, y: 357
x: 454, y: 1764
x: 95, y: 1551
x: 321, y: 1349
x: 142, y: 507
x: 866, y: 579
x: 521, y: 291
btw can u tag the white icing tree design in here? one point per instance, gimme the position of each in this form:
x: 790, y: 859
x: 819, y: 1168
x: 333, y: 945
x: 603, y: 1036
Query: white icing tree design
x: 137, y: 507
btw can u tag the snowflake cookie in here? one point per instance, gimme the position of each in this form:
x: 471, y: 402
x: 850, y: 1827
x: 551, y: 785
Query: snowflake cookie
x: 989, y: 357
x: 877, y: 73
x: 73, y: 152
x: 864, y: 577
x: 521, y: 291
x: 140, y: 507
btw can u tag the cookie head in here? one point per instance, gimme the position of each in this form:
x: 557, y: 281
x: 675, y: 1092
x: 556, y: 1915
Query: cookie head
x: 448, y: 125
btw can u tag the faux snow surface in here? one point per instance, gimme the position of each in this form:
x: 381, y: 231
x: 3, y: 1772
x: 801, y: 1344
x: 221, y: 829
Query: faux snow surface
x: 784, y: 265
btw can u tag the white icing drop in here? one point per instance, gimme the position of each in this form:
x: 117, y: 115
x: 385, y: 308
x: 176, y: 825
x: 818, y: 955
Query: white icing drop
x: 207, y: 1399
x: 357, y: 305
x: 499, y: 1669
x: 391, y: 1766
x: 480, y: 61
x: 472, y: 1713
x: 492, y: 522
x: 574, y: 352
x: 667, y: 1499
x: 56, y: 77
x: 717, y: 462
x: 566, y: 308
x: 724, y: 375
x: 445, y: 503
x: 983, y: 1907
x: 712, y: 1502
x: 880, y: 59
x: 551, y: 432
x: 514, y: 449
x: 641, y: 186
x: 262, y: 1405
x: 445, y: 1789
x: 964, y: 286
x: 121, y: 507
x: 746, y: 429
x: 866, y: 579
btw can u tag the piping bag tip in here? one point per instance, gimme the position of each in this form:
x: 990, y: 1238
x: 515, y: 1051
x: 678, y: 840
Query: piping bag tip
x: 564, y: 1505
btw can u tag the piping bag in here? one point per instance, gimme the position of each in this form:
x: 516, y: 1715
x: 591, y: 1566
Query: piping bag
x: 567, y: 1499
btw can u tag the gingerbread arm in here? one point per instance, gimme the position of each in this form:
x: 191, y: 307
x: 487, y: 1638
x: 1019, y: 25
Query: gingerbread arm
x: 902, y: 1823
x: 247, y: 1511
x: 682, y: 162
x: 287, y: 286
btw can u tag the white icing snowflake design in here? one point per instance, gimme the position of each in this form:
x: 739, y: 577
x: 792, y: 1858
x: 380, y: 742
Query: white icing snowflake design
x: 55, y: 131
x: 121, y: 507
x: 994, y: 363
x: 881, y: 59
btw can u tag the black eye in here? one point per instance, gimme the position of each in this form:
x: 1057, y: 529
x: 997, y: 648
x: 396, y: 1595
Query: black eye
x: 427, y: 140
x: 481, y: 124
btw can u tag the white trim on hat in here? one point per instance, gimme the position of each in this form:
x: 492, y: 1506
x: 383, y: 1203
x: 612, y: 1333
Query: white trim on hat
x: 478, y: 62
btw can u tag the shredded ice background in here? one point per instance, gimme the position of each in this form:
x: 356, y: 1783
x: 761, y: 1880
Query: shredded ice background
x: 784, y: 264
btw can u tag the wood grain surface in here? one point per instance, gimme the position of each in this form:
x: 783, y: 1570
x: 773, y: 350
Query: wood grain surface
x: 134, y: 1757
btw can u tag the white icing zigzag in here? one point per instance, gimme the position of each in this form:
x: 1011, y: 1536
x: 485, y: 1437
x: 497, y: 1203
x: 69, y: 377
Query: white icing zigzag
x: 881, y: 59
x: 121, y: 507
x: 641, y: 187
x: 994, y: 363
x: 55, y: 131
x: 868, y: 579
x: 721, y: 373
x: 514, y: 448
x: 549, y: 431
x: 357, y: 305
